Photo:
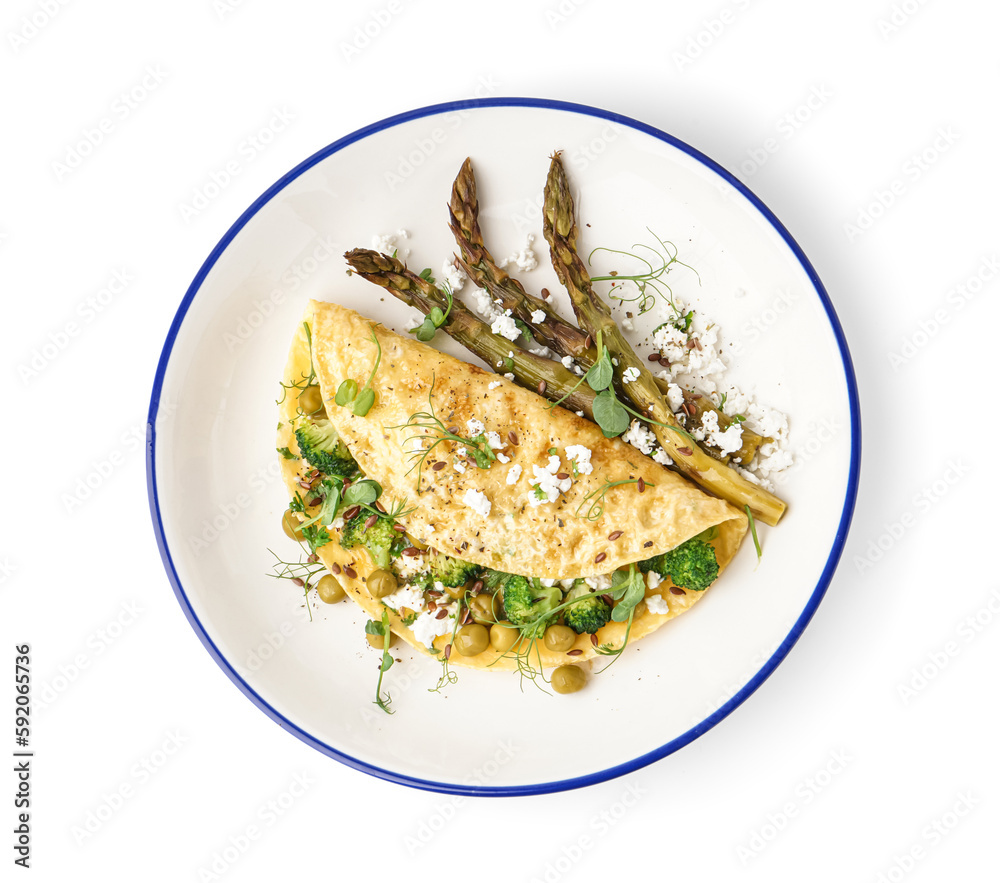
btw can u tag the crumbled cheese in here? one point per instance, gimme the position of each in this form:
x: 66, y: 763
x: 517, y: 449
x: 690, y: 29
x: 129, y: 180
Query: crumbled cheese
x: 338, y: 522
x: 427, y: 626
x: 631, y: 375
x: 671, y: 343
x: 640, y: 436
x: 538, y: 316
x: 662, y: 457
x: 653, y: 579
x: 454, y: 276
x: 626, y: 323
x: 567, y: 361
x: 675, y: 396
x: 503, y: 458
x: 547, y: 486
x: 386, y: 243
x: 475, y: 426
x: 477, y: 501
x: 407, y: 566
x: 461, y: 451
x: 407, y: 596
x: 581, y: 455
x: 514, y: 473
x: 509, y: 376
x: 495, y: 384
x: 459, y: 468
x: 656, y: 604
x: 485, y: 306
x: 413, y: 322
x: 599, y: 581
x: 525, y: 258
x: 728, y: 441
x: 579, y: 413
x: 494, y: 441
x: 505, y: 326
x: 548, y: 583
x: 567, y: 583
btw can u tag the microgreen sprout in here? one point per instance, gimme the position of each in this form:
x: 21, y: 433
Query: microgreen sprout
x: 610, y: 649
x: 382, y: 630
x: 447, y: 675
x: 306, y: 380
x: 520, y: 651
x: 436, y: 317
x: 596, y: 508
x: 657, y: 260
x: 361, y: 401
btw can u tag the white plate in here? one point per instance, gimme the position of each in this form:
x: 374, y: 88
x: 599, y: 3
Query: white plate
x: 216, y: 498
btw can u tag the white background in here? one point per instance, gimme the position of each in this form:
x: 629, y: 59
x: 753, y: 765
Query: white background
x: 870, y: 754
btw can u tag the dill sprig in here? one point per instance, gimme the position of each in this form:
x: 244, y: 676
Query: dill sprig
x: 432, y: 425
x: 299, y: 572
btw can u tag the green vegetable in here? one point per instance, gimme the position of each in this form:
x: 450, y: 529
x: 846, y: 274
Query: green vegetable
x: 692, y: 565
x: 588, y: 611
x: 448, y: 571
x: 451, y: 572
x: 316, y: 536
x: 329, y: 489
x: 322, y: 448
x: 287, y: 454
x: 377, y: 539
x: 526, y: 602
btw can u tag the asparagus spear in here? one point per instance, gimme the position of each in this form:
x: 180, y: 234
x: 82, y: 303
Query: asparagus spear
x: 553, y: 331
x: 551, y: 379
x: 479, y: 266
x: 594, y: 316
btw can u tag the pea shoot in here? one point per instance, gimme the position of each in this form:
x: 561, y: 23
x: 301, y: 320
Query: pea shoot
x: 596, y: 498
x: 361, y: 401
x: 650, y: 282
x: 436, y: 317
x: 382, y: 630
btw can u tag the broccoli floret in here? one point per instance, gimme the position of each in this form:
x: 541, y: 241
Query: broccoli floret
x: 377, y: 539
x: 692, y: 565
x: 526, y: 601
x: 589, y: 613
x: 320, y: 445
x: 451, y: 572
x: 443, y: 569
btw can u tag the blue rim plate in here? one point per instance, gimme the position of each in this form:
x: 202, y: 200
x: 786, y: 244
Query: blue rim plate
x: 229, y: 336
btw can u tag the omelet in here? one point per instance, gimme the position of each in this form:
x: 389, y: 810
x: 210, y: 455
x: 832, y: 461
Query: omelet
x: 473, y: 467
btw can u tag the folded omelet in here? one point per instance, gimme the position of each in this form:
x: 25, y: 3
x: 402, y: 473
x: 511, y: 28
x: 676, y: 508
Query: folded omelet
x: 479, y: 469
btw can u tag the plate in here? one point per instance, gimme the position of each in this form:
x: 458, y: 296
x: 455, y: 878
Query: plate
x: 216, y: 496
